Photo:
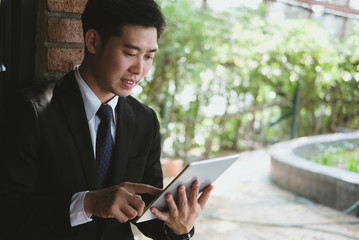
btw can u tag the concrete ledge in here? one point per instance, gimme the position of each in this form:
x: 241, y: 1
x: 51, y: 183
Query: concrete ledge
x: 330, y: 186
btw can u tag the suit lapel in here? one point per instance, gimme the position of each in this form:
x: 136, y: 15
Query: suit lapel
x: 73, y: 107
x: 124, y: 134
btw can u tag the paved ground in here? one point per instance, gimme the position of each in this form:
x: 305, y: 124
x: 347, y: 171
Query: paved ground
x: 245, y: 205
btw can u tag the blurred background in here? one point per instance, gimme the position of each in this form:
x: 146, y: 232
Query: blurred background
x: 230, y: 76
x: 239, y: 75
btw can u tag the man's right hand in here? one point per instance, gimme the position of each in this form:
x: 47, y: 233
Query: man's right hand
x: 119, y: 201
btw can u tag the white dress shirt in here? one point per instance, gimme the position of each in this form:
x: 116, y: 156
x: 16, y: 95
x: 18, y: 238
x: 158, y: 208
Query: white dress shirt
x: 92, y: 104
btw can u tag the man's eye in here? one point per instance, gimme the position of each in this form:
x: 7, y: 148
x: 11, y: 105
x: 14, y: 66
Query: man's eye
x: 149, y: 57
x: 130, y: 54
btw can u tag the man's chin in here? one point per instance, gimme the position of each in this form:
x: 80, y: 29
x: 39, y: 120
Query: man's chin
x: 123, y: 93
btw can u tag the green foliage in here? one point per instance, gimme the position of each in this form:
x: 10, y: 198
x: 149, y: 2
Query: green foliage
x: 226, y: 80
x: 345, y: 156
x: 352, y: 161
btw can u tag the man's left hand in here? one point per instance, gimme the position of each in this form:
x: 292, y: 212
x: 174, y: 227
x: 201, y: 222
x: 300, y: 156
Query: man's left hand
x: 181, y: 218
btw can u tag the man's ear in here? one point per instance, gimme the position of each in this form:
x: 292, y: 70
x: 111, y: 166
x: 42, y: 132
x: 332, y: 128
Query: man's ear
x: 92, y: 41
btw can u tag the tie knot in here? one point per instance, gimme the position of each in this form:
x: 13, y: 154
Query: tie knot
x: 105, y: 112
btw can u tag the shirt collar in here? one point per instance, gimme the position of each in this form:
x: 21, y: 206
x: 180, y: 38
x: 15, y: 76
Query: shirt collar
x: 91, y: 101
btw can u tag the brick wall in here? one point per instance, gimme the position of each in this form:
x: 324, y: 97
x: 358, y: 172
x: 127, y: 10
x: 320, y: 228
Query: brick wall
x: 61, y: 38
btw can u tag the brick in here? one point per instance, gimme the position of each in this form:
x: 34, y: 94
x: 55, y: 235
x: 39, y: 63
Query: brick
x: 75, y: 6
x: 63, y: 59
x: 65, y: 30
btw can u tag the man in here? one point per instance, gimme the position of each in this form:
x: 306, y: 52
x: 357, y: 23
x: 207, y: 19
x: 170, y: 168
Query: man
x: 78, y: 153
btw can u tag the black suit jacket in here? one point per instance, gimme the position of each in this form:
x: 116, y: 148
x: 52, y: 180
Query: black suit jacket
x: 47, y: 156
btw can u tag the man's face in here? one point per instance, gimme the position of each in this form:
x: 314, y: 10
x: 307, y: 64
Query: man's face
x: 124, y: 61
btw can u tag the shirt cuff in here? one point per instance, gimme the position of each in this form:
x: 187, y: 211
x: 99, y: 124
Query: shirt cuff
x: 77, y: 212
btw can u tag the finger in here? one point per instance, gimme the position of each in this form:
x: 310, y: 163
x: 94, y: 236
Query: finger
x: 137, y: 203
x: 193, y: 196
x: 143, y: 188
x: 205, y: 196
x: 121, y: 217
x: 164, y: 216
x: 129, y: 212
x: 172, y: 207
x: 182, y: 197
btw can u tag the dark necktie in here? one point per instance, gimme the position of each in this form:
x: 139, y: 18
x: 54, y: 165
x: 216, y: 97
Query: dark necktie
x: 104, y: 143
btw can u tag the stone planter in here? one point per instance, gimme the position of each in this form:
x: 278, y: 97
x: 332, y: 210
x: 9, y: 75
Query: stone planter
x: 330, y: 186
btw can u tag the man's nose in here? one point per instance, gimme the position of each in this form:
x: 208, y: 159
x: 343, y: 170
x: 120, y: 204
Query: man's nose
x: 137, y: 67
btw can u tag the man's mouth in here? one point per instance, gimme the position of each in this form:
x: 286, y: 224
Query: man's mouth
x: 129, y: 83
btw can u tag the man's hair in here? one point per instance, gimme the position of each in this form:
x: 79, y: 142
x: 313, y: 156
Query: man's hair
x: 108, y: 17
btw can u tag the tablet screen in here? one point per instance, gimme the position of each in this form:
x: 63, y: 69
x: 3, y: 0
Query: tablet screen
x: 205, y: 171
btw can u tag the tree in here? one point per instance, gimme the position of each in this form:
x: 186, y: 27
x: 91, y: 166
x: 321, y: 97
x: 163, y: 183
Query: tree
x: 227, y: 80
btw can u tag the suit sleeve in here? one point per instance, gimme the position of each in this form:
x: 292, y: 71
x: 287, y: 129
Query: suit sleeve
x: 27, y: 212
x: 153, y: 175
x: 153, y: 172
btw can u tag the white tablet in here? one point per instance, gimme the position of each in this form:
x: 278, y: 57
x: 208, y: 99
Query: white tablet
x: 205, y: 171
